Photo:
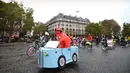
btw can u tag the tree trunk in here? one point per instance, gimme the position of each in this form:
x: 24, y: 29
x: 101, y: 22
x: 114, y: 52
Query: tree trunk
x: 10, y: 37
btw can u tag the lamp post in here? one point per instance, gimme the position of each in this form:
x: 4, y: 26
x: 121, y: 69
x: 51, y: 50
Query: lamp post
x: 76, y: 24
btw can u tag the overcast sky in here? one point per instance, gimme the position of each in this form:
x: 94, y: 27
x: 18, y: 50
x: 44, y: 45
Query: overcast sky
x: 94, y: 10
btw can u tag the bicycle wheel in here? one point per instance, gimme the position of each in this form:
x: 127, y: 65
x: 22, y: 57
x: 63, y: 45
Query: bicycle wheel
x: 103, y: 47
x: 30, y: 51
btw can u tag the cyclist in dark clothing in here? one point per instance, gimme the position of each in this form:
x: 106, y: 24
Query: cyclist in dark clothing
x: 104, y: 43
x: 123, y: 42
x: 97, y: 40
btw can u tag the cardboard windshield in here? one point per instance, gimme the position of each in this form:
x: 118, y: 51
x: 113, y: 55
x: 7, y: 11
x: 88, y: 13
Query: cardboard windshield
x: 52, y: 44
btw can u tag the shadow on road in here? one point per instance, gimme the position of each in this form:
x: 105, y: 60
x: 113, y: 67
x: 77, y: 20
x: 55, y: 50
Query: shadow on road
x: 57, y: 70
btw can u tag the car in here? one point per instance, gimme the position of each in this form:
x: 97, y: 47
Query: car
x: 50, y: 56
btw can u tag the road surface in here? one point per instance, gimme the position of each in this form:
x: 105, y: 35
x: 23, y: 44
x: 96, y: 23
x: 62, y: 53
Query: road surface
x: 13, y: 59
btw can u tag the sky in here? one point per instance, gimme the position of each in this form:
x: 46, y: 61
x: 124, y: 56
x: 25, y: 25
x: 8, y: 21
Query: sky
x: 94, y: 10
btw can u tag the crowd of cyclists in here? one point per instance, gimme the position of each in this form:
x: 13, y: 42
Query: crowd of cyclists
x: 118, y: 40
x: 89, y: 39
x: 81, y: 41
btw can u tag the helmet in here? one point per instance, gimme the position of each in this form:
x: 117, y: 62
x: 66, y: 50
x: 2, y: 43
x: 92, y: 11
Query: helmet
x: 46, y: 33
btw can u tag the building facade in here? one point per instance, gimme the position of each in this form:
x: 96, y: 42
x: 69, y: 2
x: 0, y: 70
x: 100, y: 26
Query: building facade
x: 73, y: 26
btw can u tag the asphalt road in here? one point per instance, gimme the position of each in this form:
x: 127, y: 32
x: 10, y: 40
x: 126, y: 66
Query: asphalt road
x: 13, y: 59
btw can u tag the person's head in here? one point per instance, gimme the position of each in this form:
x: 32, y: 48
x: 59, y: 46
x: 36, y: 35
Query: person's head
x: 58, y: 31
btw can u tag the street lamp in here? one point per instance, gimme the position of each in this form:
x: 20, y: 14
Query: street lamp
x: 78, y: 22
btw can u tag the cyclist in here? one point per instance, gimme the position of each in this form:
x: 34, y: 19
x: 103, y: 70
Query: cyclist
x: 46, y: 37
x: 123, y: 41
x: 104, y: 41
x: 97, y: 40
x: 41, y: 37
x: 89, y: 38
x: 75, y: 42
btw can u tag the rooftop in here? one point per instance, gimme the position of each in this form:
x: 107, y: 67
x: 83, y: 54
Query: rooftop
x: 61, y: 15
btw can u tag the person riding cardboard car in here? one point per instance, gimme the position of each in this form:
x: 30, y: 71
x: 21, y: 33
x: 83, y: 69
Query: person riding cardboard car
x: 65, y: 41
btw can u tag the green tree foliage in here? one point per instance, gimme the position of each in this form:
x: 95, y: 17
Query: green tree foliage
x: 28, y: 20
x: 14, y: 18
x: 40, y: 28
x: 109, y: 26
x: 93, y: 29
x: 126, y: 29
x: 105, y: 27
x: 3, y: 16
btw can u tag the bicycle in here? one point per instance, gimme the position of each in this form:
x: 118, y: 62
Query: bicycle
x: 32, y: 50
x: 108, y: 45
x: 88, y: 45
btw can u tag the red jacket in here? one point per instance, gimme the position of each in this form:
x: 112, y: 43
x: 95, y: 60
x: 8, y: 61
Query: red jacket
x: 65, y: 41
x: 89, y: 38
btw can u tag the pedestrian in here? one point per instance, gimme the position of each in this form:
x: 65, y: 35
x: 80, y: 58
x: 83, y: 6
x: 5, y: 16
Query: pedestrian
x: 16, y: 37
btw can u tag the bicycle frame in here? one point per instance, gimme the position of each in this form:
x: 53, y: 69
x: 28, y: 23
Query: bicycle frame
x: 39, y: 44
x: 34, y: 49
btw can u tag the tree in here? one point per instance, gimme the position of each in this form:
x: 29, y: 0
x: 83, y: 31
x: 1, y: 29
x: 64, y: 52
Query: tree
x: 105, y: 27
x: 126, y: 29
x: 28, y: 21
x: 40, y: 28
x: 12, y: 14
x: 3, y: 16
x: 14, y: 18
x: 109, y: 26
x: 93, y: 29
